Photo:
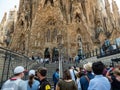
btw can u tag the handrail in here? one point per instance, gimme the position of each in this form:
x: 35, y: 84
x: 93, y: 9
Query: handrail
x: 9, y: 60
x: 16, y: 53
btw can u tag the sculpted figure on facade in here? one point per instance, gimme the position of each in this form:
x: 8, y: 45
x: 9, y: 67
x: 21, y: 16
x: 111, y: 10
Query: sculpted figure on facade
x: 54, y: 35
x: 62, y: 15
x: 48, y: 35
x: 77, y: 12
x: 115, y: 13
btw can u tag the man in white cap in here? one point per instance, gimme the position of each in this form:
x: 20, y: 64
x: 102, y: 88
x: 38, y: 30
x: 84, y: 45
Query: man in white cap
x: 16, y: 82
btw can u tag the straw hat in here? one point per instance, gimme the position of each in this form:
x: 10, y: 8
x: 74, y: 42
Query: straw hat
x: 88, y: 66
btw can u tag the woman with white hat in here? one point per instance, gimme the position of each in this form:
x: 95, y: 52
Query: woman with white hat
x: 32, y: 84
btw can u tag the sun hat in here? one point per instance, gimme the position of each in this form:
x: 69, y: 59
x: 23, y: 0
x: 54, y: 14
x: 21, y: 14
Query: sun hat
x: 88, y: 66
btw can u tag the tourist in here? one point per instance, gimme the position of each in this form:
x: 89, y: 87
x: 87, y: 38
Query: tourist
x: 56, y: 77
x: 32, y: 84
x: 99, y: 82
x: 44, y: 84
x: 85, y: 79
x: 73, y: 73
x: 16, y: 82
x: 66, y: 83
x: 115, y: 78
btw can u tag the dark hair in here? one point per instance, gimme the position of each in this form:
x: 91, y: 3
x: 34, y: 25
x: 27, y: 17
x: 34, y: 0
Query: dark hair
x: 30, y: 82
x: 80, y: 74
x: 66, y: 75
x: 42, y: 71
x: 98, y: 67
x: 57, y: 70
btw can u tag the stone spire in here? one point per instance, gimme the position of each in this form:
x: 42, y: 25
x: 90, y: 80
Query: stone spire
x: 4, y: 18
x: 101, y: 6
x: 12, y: 15
x: 44, y: 23
x: 109, y: 21
x: 107, y: 7
x: 3, y: 30
x: 115, y: 13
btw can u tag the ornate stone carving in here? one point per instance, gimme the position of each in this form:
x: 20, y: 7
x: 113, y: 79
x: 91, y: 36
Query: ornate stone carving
x: 49, y: 1
x: 62, y: 21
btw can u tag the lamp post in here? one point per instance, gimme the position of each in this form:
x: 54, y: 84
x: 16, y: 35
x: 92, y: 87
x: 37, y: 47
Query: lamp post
x: 80, y: 46
x: 60, y: 46
x: 60, y: 61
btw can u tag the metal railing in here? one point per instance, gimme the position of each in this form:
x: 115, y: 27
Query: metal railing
x: 99, y: 53
x: 9, y: 60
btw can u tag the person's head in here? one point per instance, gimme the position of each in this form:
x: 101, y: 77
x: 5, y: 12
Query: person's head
x: 98, y: 67
x: 66, y: 75
x: 31, y: 73
x: 88, y: 67
x: 57, y: 70
x: 116, y: 71
x: 80, y: 74
x: 31, y: 77
x: 71, y: 67
x: 19, y: 71
x: 42, y: 72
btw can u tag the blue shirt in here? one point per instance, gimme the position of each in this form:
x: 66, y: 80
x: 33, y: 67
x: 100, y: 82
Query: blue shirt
x: 84, y: 82
x: 35, y: 85
x: 99, y: 82
x: 55, y: 77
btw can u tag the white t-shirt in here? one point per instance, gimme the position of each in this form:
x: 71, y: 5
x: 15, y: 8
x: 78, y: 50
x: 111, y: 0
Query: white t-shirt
x: 17, y: 84
x: 72, y: 74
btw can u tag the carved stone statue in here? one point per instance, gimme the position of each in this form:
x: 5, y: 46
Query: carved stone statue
x: 80, y: 46
x: 99, y: 29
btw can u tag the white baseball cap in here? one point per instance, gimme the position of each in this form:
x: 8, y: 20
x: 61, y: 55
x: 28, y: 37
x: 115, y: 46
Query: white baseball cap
x: 31, y: 72
x: 19, y: 69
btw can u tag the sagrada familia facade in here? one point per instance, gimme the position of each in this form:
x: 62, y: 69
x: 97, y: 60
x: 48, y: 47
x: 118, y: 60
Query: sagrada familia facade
x: 68, y: 25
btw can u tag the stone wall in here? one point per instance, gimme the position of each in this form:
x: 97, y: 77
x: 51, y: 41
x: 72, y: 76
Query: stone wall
x: 55, y: 23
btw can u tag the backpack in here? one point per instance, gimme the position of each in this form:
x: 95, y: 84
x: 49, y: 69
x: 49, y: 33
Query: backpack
x: 11, y: 85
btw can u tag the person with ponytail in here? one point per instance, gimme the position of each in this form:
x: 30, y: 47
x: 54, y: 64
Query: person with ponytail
x: 32, y: 84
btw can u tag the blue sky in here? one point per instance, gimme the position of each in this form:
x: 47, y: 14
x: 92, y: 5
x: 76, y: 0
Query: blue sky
x: 7, y: 5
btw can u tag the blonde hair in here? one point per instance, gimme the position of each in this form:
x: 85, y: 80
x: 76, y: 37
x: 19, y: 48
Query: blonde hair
x: 88, y: 66
x: 116, y: 71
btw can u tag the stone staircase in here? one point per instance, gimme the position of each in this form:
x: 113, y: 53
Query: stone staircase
x: 52, y: 66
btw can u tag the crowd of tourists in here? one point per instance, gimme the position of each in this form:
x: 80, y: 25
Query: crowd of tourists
x: 92, y: 76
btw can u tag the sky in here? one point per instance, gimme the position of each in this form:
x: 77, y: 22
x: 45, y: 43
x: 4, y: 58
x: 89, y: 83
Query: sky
x: 118, y: 3
x: 7, y: 5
